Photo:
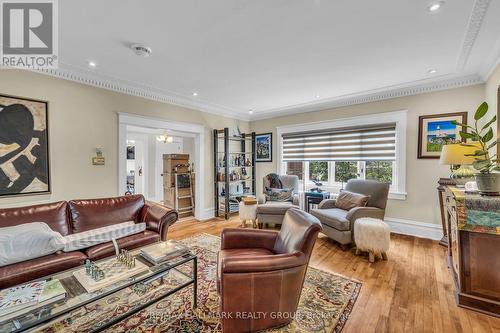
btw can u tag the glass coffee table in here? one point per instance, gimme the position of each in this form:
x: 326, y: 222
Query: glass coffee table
x: 94, y: 312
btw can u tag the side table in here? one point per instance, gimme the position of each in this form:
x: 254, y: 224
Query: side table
x: 311, y: 198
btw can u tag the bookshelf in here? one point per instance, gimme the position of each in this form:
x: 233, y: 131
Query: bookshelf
x: 234, y: 170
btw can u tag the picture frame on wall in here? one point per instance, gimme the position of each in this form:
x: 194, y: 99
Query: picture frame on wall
x: 264, y: 147
x: 24, y: 146
x: 435, y: 131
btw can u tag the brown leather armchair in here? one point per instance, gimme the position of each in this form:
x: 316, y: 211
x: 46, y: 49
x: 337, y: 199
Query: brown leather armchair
x: 260, y: 273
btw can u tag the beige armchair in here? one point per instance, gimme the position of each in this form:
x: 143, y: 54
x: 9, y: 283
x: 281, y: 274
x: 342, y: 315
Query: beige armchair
x: 273, y: 212
x: 338, y: 224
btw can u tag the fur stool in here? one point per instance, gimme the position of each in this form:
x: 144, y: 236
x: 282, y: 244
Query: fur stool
x: 373, y: 236
x: 248, y: 212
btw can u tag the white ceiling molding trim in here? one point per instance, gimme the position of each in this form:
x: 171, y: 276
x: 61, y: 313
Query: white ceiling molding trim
x: 475, y: 22
x: 140, y: 90
x: 371, y: 96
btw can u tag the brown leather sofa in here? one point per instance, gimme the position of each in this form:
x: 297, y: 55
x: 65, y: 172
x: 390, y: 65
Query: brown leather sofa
x: 82, y: 215
x: 260, y: 273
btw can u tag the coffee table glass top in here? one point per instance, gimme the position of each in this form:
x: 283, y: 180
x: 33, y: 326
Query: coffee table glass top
x: 129, y: 294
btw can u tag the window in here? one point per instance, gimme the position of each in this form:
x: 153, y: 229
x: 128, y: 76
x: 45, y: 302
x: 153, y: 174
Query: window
x: 333, y: 152
x: 318, y: 171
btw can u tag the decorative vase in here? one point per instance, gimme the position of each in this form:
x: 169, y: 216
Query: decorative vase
x: 488, y: 183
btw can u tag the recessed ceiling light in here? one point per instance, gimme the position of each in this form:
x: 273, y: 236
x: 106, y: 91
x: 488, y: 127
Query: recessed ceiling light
x: 250, y: 111
x: 432, y: 71
x: 318, y: 96
x: 195, y: 94
x: 433, y: 7
x: 92, y: 64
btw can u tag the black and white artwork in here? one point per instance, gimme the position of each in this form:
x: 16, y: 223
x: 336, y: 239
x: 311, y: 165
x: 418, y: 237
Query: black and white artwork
x: 24, y: 150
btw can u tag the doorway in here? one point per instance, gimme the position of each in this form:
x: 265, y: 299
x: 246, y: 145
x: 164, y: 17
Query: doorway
x: 143, y: 143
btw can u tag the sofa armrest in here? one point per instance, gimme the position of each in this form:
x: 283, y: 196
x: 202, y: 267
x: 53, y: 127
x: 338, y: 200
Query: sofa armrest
x: 261, y: 199
x: 327, y: 204
x: 158, y: 218
x: 266, y: 263
x: 237, y: 238
x: 359, y: 212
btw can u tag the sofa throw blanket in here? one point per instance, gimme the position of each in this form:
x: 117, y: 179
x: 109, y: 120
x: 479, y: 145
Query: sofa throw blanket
x: 83, y: 240
x: 274, y: 181
x: 28, y: 241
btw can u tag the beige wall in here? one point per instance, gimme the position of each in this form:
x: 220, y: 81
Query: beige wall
x: 421, y: 175
x: 491, y: 88
x: 82, y: 118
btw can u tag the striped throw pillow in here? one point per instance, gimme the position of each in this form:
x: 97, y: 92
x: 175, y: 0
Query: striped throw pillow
x: 82, y: 240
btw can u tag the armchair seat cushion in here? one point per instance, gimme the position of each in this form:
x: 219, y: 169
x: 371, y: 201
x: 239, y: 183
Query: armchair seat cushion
x: 274, y: 207
x: 333, y: 217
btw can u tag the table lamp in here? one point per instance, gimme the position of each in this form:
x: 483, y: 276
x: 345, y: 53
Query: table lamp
x: 454, y: 154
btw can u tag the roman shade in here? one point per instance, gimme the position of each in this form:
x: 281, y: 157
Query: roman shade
x: 346, y: 144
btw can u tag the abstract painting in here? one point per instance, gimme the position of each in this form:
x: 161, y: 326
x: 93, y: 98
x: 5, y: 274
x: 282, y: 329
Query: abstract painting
x: 24, y: 150
x: 264, y: 145
x: 435, y: 131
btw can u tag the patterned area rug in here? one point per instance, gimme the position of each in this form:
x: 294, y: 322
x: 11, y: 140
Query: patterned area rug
x: 326, y: 302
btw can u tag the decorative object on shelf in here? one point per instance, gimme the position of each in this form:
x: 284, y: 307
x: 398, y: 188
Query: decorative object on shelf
x: 264, y: 147
x: 130, y: 152
x: 98, y: 159
x: 488, y: 181
x: 435, y: 131
x: 471, y: 187
x: 24, y: 149
x: 458, y: 155
x: 234, y: 170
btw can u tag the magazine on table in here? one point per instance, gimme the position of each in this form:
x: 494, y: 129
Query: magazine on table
x: 163, y: 251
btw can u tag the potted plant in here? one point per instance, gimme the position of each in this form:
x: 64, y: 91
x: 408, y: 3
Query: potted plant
x: 488, y: 181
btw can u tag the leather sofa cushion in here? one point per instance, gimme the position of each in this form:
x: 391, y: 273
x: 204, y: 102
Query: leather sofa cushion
x: 26, y: 271
x: 349, y: 200
x: 127, y: 243
x: 97, y: 213
x: 274, y: 207
x: 53, y: 214
x: 333, y: 217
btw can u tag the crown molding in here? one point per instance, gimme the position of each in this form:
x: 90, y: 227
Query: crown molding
x: 408, y: 89
x: 475, y: 22
x: 80, y: 75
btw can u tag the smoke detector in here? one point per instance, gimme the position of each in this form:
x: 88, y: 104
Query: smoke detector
x: 141, y: 50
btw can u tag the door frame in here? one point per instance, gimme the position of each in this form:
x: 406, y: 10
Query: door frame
x: 197, y: 130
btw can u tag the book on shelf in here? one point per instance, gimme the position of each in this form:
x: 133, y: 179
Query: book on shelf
x: 163, y: 251
x: 19, y: 300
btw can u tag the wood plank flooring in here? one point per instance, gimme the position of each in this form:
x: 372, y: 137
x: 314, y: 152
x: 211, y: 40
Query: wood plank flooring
x: 411, y: 292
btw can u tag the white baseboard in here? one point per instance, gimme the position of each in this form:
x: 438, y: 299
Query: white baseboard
x: 415, y: 228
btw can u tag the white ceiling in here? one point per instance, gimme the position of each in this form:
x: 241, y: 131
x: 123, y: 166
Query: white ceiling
x: 276, y: 56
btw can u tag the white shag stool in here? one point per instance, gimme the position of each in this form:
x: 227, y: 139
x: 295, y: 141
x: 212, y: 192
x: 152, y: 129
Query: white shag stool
x: 248, y: 212
x: 372, y: 236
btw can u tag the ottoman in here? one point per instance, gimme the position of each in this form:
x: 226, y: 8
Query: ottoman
x: 248, y: 212
x: 372, y: 236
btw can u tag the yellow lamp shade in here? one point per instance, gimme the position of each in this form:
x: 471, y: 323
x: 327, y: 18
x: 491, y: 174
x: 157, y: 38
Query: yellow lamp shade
x: 454, y: 154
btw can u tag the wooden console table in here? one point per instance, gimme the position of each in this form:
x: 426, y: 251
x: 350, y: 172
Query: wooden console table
x: 473, y: 229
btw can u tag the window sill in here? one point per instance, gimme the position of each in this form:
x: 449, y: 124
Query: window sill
x: 397, y: 195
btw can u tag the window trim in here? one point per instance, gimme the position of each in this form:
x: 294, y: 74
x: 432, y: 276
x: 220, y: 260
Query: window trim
x: 398, y: 189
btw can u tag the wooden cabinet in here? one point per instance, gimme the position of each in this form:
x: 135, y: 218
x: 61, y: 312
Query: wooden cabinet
x: 473, y: 229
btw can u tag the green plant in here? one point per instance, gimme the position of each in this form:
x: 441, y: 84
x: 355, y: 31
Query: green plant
x: 483, y: 162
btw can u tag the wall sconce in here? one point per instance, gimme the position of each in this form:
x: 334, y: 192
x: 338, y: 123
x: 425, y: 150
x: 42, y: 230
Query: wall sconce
x: 98, y: 159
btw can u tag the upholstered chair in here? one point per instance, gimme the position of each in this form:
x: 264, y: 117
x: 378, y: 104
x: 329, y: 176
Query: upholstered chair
x: 338, y: 224
x: 272, y: 212
x: 262, y: 272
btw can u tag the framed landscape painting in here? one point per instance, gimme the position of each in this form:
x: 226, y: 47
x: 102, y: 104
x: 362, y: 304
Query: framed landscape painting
x: 435, y: 131
x: 24, y: 148
x: 264, y: 147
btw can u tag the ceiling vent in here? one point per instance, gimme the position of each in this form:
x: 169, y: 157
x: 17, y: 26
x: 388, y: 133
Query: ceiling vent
x: 141, y: 50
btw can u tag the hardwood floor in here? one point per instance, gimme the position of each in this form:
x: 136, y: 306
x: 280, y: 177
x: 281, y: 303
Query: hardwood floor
x: 411, y: 292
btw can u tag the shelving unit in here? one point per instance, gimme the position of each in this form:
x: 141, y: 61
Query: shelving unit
x: 234, y: 170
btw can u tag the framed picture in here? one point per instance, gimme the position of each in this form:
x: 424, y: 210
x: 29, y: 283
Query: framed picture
x: 24, y: 146
x: 264, y: 147
x: 434, y: 131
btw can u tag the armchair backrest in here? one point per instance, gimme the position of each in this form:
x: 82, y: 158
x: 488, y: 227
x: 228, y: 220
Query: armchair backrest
x: 288, y: 181
x: 298, y: 233
x: 377, y: 191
